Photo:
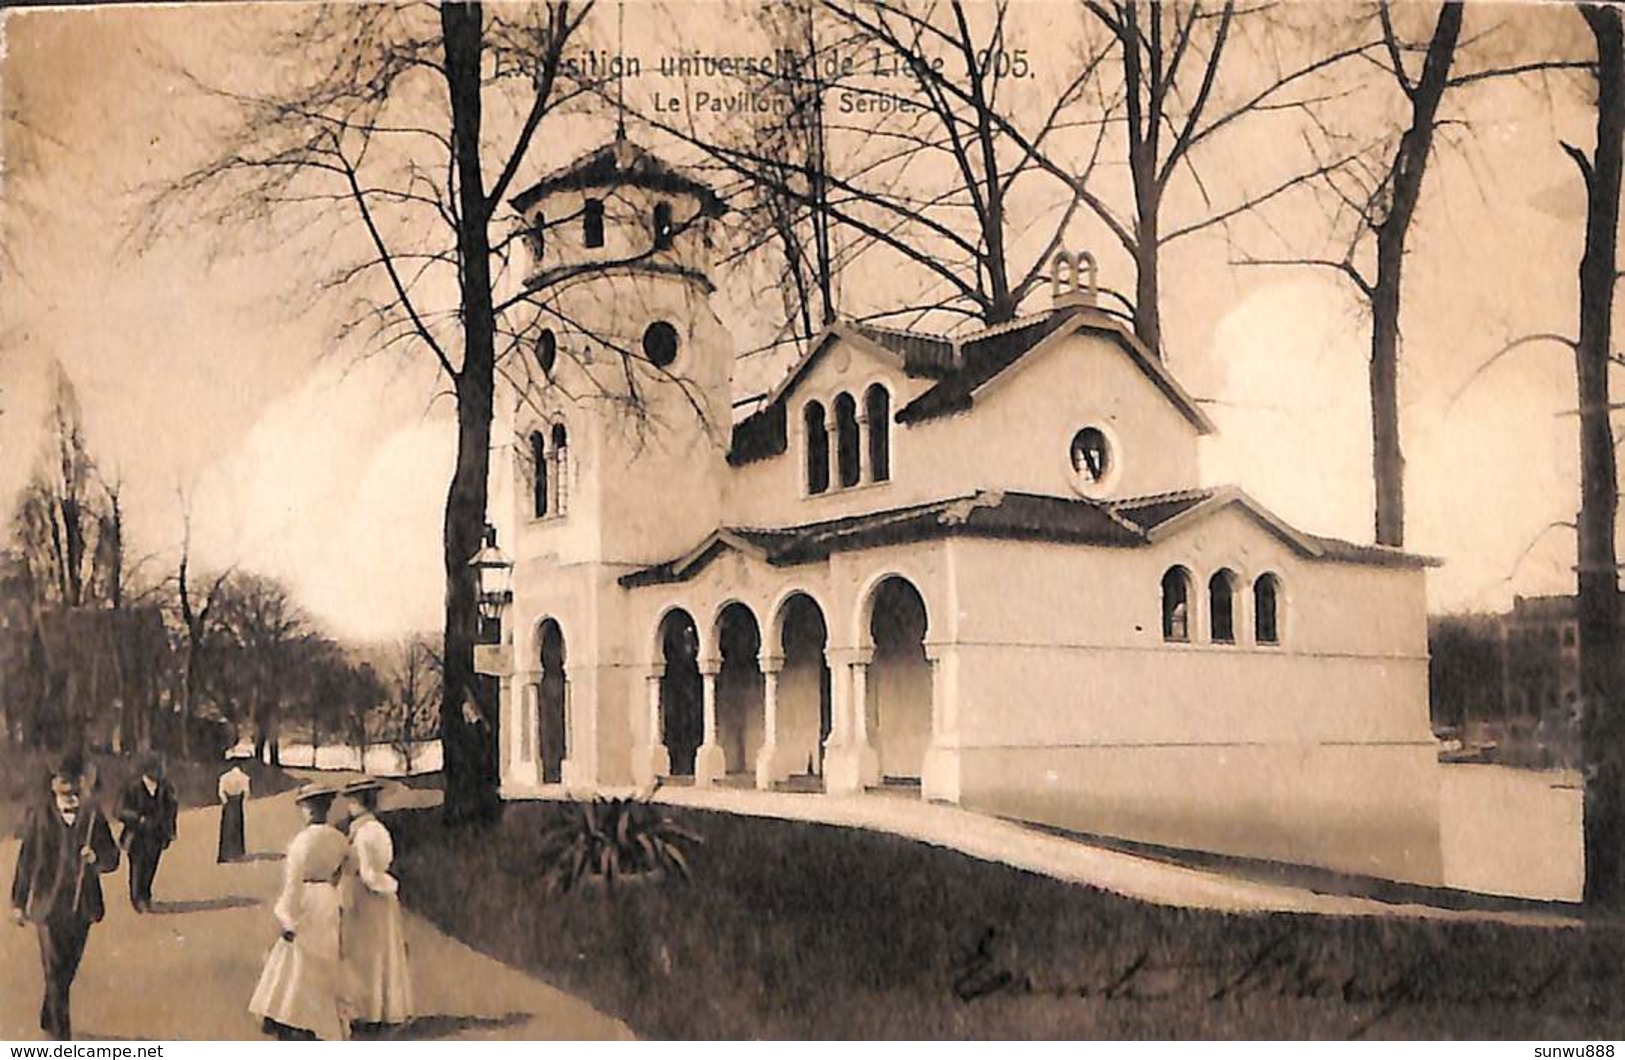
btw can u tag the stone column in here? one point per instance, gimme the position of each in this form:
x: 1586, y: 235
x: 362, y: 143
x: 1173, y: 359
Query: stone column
x: 850, y: 763
x: 509, y: 734
x: 767, y: 759
x: 866, y: 473
x: 941, y: 774
x: 710, y: 763
x: 530, y: 721
x: 652, y: 761
x: 869, y: 760
x: 573, y: 771
x: 832, y: 431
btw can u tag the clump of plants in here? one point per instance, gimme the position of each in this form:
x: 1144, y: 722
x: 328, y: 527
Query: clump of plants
x: 614, y: 840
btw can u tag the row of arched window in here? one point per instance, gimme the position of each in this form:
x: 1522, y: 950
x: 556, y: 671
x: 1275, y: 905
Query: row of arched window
x: 1222, y: 590
x: 549, y: 462
x: 862, y: 448
x: 592, y: 226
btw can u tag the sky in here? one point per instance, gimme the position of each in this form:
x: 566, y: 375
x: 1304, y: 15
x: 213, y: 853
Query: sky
x: 209, y: 363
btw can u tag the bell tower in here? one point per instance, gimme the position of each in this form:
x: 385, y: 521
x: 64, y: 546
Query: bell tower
x: 630, y: 370
x: 620, y: 404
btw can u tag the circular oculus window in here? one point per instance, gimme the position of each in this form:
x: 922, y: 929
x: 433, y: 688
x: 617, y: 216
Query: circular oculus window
x: 1092, y: 459
x: 660, y: 344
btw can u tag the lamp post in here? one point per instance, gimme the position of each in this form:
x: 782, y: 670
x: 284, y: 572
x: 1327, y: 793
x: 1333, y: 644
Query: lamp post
x: 494, y: 571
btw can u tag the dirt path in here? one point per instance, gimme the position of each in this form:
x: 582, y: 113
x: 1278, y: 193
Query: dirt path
x: 186, y: 971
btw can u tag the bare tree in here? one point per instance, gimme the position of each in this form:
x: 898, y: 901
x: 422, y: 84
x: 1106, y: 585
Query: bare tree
x: 414, y: 689
x: 1173, y: 98
x: 1379, y: 189
x: 950, y: 113
x: 262, y: 625
x: 195, y: 615
x: 389, y: 133
x: 405, y: 137
x: 1603, y: 721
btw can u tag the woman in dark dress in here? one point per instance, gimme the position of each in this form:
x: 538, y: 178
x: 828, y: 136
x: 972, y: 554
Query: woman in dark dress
x: 233, y: 792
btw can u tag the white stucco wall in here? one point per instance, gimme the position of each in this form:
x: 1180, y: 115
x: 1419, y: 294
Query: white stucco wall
x: 1073, y: 711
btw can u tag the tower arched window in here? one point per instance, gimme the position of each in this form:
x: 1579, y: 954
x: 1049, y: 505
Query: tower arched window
x: 662, y: 225
x: 538, y: 474
x: 817, y: 447
x: 877, y: 410
x: 846, y: 439
x: 561, y: 472
x: 1221, y: 601
x: 1267, y: 609
x: 1176, y: 605
x: 592, y: 222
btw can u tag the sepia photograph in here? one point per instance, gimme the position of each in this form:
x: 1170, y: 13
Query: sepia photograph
x: 812, y: 519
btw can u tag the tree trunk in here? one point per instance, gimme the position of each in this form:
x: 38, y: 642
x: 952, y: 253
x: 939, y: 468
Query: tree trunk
x: 1599, y: 489
x: 1410, y: 163
x: 1147, y: 289
x: 1387, y: 458
x: 471, y: 783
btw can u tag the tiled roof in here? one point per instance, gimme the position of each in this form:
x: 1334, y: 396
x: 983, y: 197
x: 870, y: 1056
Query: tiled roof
x: 1151, y: 512
x: 958, y: 368
x: 980, y: 359
x: 622, y: 162
x: 924, y: 356
x: 985, y: 514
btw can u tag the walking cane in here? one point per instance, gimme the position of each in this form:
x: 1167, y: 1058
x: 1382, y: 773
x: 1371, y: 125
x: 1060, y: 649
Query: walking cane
x: 90, y: 834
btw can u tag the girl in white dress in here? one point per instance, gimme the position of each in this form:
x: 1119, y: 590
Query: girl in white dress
x: 374, y: 932
x: 302, y: 992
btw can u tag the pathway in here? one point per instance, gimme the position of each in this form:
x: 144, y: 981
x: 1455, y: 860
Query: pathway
x: 186, y: 971
x: 1072, y: 860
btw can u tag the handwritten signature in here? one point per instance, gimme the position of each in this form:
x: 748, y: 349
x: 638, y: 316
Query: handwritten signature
x: 1274, y: 969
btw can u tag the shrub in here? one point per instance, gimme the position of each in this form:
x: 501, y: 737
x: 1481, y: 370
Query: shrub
x: 613, y: 839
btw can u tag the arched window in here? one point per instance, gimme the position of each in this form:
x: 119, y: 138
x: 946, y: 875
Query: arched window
x: 877, y: 410
x: 592, y: 222
x: 561, y: 473
x: 536, y: 237
x: 1176, y: 604
x: 1221, y: 607
x: 547, y: 351
x: 817, y: 448
x: 1267, y: 609
x: 846, y: 439
x: 663, y: 226
x: 538, y: 474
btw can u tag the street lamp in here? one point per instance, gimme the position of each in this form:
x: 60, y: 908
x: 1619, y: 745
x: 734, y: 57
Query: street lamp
x: 494, y: 570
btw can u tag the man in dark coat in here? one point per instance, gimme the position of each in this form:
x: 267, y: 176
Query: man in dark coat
x: 66, y: 847
x: 147, y: 809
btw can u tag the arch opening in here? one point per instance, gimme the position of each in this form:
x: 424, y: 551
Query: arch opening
x: 552, y: 724
x: 804, y: 686
x: 740, y: 688
x: 682, y: 720
x: 899, y: 685
x: 1176, y: 605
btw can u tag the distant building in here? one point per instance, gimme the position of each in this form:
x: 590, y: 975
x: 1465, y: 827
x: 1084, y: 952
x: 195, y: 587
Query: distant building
x: 1540, y: 656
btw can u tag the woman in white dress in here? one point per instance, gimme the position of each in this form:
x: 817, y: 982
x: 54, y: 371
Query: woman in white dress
x: 374, y: 934
x: 302, y: 992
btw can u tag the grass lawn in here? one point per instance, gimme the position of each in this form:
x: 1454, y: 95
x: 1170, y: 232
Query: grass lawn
x: 24, y: 776
x: 794, y: 930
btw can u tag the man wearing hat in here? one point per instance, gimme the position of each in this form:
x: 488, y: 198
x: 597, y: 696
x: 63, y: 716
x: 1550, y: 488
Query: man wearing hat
x: 374, y: 930
x: 66, y: 847
x: 147, y: 808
